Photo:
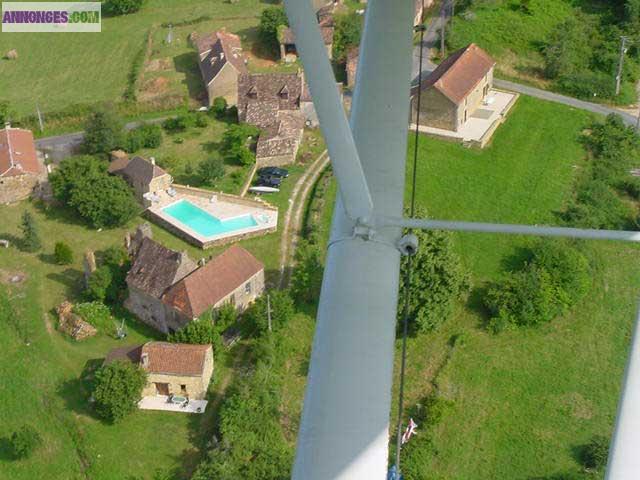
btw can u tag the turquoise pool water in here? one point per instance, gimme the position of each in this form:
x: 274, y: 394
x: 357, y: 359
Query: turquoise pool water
x: 203, y: 222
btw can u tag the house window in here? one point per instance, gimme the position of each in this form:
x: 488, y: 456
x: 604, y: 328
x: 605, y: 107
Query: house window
x: 183, y: 390
x: 253, y: 92
x: 247, y: 288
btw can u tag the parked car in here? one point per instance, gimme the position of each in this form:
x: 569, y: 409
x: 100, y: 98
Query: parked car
x: 273, y: 172
x: 269, y: 181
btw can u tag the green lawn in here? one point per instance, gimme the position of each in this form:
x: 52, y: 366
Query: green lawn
x: 55, y: 70
x: 524, y: 400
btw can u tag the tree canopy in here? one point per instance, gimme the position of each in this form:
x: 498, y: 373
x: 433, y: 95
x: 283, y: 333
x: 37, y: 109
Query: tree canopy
x: 103, y: 132
x: 117, y: 389
x: 270, y: 20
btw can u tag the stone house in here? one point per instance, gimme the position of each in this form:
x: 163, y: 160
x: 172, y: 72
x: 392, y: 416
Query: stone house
x: 455, y: 89
x: 172, y: 368
x: 21, y: 168
x: 167, y: 289
x: 144, y: 176
x: 221, y: 61
x: 324, y: 15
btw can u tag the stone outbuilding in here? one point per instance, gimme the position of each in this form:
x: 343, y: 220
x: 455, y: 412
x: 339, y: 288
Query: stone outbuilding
x: 145, y: 177
x: 455, y: 89
x: 221, y: 61
x: 172, y: 368
x: 21, y: 168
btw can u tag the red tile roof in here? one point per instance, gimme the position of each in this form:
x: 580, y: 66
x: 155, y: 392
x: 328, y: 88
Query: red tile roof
x: 18, y: 154
x: 163, y: 357
x: 206, y: 286
x: 459, y: 73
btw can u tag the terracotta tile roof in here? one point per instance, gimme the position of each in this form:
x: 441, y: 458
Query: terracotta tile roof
x: 137, y: 169
x: 155, y: 268
x: 216, y: 50
x: 164, y: 358
x: 175, y: 358
x: 283, y: 89
x: 18, y: 154
x: 205, y: 287
x: 459, y: 73
x: 118, y: 164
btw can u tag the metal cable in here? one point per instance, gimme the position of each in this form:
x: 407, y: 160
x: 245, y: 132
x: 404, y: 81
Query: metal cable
x: 407, y: 280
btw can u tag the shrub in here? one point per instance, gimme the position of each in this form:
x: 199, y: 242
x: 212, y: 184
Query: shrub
x: 201, y: 120
x: 219, y: 107
x: 134, y: 141
x: 552, y: 281
x: 30, y: 237
x: 63, y: 253
x: 225, y: 316
x: 597, y: 206
x: 348, y: 30
x: 234, y: 143
x: 103, y: 132
x: 199, y: 332
x: 117, y: 389
x: 152, y: 135
x: 5, y: 112
x: 99, y: 284
x: 97, y: 314
x: 211, y: 170
x: 270, y: 20
x: 282, y: 309
x: 307, y: 274
x: 24, y: 442
x: 180, y: 123
x: 438, y: 281
x: 122, y: 7
x: 596, y: 452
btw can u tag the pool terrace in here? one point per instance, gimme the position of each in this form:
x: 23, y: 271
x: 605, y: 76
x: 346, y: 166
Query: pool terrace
x: 232, y: 211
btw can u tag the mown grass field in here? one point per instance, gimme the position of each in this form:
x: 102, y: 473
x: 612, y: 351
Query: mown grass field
x: 55, y: 70
x: 524, y: 400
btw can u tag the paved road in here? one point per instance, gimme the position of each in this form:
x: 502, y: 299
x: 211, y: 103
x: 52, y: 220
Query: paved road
x: 431, y: 40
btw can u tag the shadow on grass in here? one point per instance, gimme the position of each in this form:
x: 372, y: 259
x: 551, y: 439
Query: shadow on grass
x: 187, y: 64
x: 71, y: 279
x: 5, y: 449
x: 76, y: 392
x: 475, y: 303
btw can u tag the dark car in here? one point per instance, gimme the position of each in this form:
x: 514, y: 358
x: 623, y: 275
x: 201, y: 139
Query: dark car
x: 269, y: 182
x: 273, y: 172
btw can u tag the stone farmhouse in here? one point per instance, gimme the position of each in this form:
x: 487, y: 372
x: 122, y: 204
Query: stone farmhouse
x: 167, y: 289
x: 144, y: 176
x: 221, y: 62
x: 172, y: 368
x: 324, y: 15
x: 21, y: 168
x: 279, y: 104
x: 455, y: 89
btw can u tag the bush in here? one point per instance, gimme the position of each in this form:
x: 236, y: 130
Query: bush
x: 122, y: 7
x: 197, y: 332
x: 597, y: 206
x: 24, y: 442
x: 97, y: 314
x: 145, y: 136
x: 596, y: 453
x: 211, y: 169
x: 30, y: 237
x: 5, y: 112
x: 103, y: 132
x: 348, y: 30
x: 63, y: 253
x: 99, y: 284
x: 555, y: 278
x: 438, y: 281
x: 307, y: 273
x: 117, y: 389
x: 282, y: 309
x: 201, y: 120
x: 180, y: 123
x: 270, y: 20
x: 134, y: 141
x: 219, y: 107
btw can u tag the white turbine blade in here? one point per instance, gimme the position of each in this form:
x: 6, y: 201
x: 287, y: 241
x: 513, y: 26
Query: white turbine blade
x: 587, y: 234
x: 624, y: 461
x: 326, y: 99
x: 344, y: 430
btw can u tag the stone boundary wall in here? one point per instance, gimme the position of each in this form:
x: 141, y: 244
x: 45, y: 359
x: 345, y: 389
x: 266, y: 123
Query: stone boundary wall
x: 200, y: 192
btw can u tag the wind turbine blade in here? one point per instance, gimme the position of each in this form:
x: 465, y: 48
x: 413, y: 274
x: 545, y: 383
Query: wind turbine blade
x: 326, y: 99
x: 534, y: 230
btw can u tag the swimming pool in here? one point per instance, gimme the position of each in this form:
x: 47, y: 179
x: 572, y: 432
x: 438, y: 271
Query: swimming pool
x: 203, y: 222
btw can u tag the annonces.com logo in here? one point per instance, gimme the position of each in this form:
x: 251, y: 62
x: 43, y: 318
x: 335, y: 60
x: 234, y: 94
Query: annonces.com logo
x: 58, y: 17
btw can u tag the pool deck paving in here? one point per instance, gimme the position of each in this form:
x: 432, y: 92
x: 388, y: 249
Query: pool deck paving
x: 159, y: 402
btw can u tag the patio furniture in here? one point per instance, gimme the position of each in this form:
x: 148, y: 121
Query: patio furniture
x: 171, y: 192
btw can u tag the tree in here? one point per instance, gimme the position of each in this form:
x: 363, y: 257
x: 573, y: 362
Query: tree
x: 72, y: 172
x: 282, y: 309
x: 438, y: 280
x: 30, y: 237
x: 211, y: 169
x: 348, y: 31
x: 197, y: 332
x: 307, y: 274
x: 117, y: 389
x: 63, y: 253
x: 122, y: 7
x: 103, y: 132
x: 570, y: 47
x: 99, y: 284
x: 5, y: 113
x: 270, y: 20
x: 24, y: 442
x: 234, y: 143
x: 219, y: 107
x: 596, y: 453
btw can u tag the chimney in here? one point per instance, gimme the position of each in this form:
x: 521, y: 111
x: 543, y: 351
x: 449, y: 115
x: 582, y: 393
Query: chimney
x: 7, y: 125
x: 144, y: 360
x: 152, y: 160
x: 202, y: 262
